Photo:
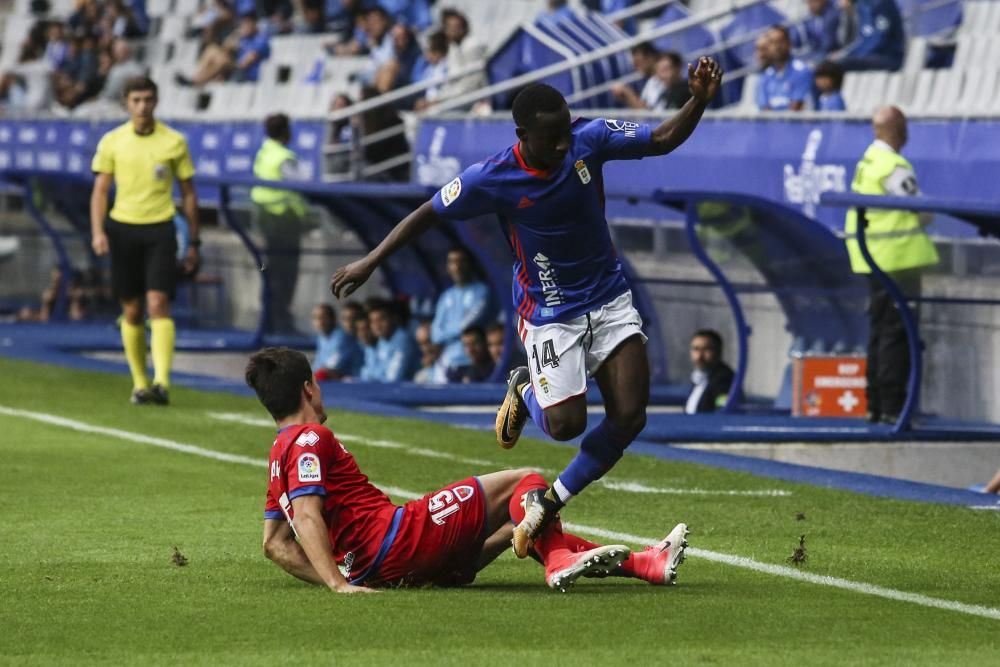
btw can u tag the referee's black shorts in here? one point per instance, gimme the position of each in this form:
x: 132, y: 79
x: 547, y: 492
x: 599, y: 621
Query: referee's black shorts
x: 143, y: 258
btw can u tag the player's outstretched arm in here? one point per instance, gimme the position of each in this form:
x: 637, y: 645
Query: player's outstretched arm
x: 282, y: 549
x: 349, y: 278
x: 311, y: 528
x: 703, y: 81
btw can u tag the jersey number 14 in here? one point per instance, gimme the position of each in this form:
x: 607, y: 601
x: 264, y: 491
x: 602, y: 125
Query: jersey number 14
x: 547, y: 358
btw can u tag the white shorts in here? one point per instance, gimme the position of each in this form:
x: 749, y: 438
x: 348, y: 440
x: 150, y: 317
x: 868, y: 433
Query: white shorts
x: 561, y: 356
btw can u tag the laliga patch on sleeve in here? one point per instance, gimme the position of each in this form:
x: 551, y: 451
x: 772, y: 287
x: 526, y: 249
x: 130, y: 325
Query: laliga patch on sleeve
x: 626, y: 126
x: 450, y: 192
x: 309, y: 468
x: 307, y: 439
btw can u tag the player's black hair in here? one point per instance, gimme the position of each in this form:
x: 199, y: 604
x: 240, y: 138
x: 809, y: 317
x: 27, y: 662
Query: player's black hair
x: 277, y: 126
x: 535, y: 99
x: 645, y: 48
x: 675, y: 58
x: 138, y: 84
x: 475, y: 330
x: 712, y: 335
x: 832, y: 71
x: 277, y: 374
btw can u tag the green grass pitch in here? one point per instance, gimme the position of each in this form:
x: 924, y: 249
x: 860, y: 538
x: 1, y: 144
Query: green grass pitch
x: 90, y: 522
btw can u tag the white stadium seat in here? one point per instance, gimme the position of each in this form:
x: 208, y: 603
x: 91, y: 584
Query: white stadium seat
x: 947, y: 89
x: 923, y: 91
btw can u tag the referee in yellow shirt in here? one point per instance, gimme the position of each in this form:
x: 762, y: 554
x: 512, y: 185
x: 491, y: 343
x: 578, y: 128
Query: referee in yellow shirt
x: 142, y: 158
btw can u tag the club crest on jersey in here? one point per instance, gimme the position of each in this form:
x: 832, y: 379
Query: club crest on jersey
x: 309, y: 468
x: 307, y: 439
x: 450, y: 192
x: 582, y: 171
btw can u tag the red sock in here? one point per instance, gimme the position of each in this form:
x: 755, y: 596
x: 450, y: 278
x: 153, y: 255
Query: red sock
x: 578, y: 544
x: 552, y: 538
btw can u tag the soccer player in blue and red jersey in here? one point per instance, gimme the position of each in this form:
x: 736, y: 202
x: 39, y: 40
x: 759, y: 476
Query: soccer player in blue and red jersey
x: 325, y: 523
x: 574, y: 305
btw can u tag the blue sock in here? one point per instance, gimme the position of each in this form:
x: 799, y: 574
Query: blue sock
x: 534, y: 409
x: 599, y: 452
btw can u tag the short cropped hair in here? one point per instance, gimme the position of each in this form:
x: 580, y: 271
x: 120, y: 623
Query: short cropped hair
x: 832, y: 71
x: 353, y: 307
x: 452, y: 13
x: 712, y: 335
x: 783, y: 30
x: 437, y: 42
x: 139, y: 84
x: 496, y: 326
x: 277, y: 374
x: 277, y: 125
x: 327, y: 310
x: 534, y: 99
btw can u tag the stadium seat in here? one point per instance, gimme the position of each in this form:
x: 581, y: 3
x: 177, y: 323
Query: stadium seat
x: 924, y: 90
x: 947, y: 89
x: 980, y: 17
x: 971, y: 51
x: 979, y: 90
x: 748, y: 99
x: 916, y: 54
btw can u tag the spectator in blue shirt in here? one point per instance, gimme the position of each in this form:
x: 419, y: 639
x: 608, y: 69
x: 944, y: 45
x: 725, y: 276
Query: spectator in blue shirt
x: 556, y: 10
x: 615, y: 6
x: 880, y: 41
x: 432, y: 66
x: 786, y: 85
x: 432, y: 369
x: 342, y: 18
x: 480, y: 366
x: 818, y: 34
x: 829, y: 79
x: 396, y: 358
x: 254, y: 49
x: 459, y: 307
x: 338, y: 353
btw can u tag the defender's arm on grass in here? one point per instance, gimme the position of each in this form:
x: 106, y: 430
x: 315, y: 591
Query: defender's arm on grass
x: 703, y: 81
x: 349, y: 278
x: 315, y: 542
x: 281, y: 547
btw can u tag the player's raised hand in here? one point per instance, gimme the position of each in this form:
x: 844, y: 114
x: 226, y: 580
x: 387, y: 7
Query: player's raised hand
x: 348, y: 278
x: 704, y: 79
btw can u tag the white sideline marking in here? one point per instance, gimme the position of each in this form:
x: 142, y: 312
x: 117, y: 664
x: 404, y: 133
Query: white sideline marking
x: 623, y: 485
x: 727, y: 559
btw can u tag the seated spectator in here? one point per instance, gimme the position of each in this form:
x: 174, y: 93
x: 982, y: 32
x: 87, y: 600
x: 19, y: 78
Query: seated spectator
x: 377, y: 42
x: 829, y: 79
x: 644, y: 62
x: 396, y: 358
x: 214, y: 24
x: 672, y: 87
x: 416, y: 14
x: 28, y: 86
x: 56, y: 47
x: 432, y: 370
x: 786, y: 84
x: 432, y: 66
x: 345, y: 19
x: 275, y: 14
x: 310, y: 20
x: 79, y: 78
x: 818, y: 35
x: 463, y: 51
x: 711, y: 377
x: 496, y: 333
x: 339, y: 354
x: 481, y: 364
x: 405, y: 54
x: 341, y: 134
x: 237, y: 59
x: 879, y: 41
x: 122, y: 69
x: 363, y: 332
x: 464, y: 304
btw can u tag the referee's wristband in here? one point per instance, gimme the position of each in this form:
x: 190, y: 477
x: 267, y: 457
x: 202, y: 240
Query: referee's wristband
x: 195, y: 243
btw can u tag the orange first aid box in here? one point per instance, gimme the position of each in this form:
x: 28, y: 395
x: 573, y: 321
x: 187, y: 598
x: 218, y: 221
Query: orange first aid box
x: 829, y: 387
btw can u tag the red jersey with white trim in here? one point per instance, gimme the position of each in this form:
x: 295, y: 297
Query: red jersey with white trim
x: 307, y: 459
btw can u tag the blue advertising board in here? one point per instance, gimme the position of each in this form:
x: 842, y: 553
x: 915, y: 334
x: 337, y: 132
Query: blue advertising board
x: 789, y: 161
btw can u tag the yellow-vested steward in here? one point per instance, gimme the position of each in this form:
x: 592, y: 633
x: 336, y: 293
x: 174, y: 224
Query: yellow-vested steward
x: 144, y: 169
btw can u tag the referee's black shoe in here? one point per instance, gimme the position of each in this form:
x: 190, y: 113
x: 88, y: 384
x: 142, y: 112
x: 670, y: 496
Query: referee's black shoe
x: 141, y: 396
x: 159, y: 395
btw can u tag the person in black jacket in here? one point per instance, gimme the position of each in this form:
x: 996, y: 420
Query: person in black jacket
x: 711, y: 377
